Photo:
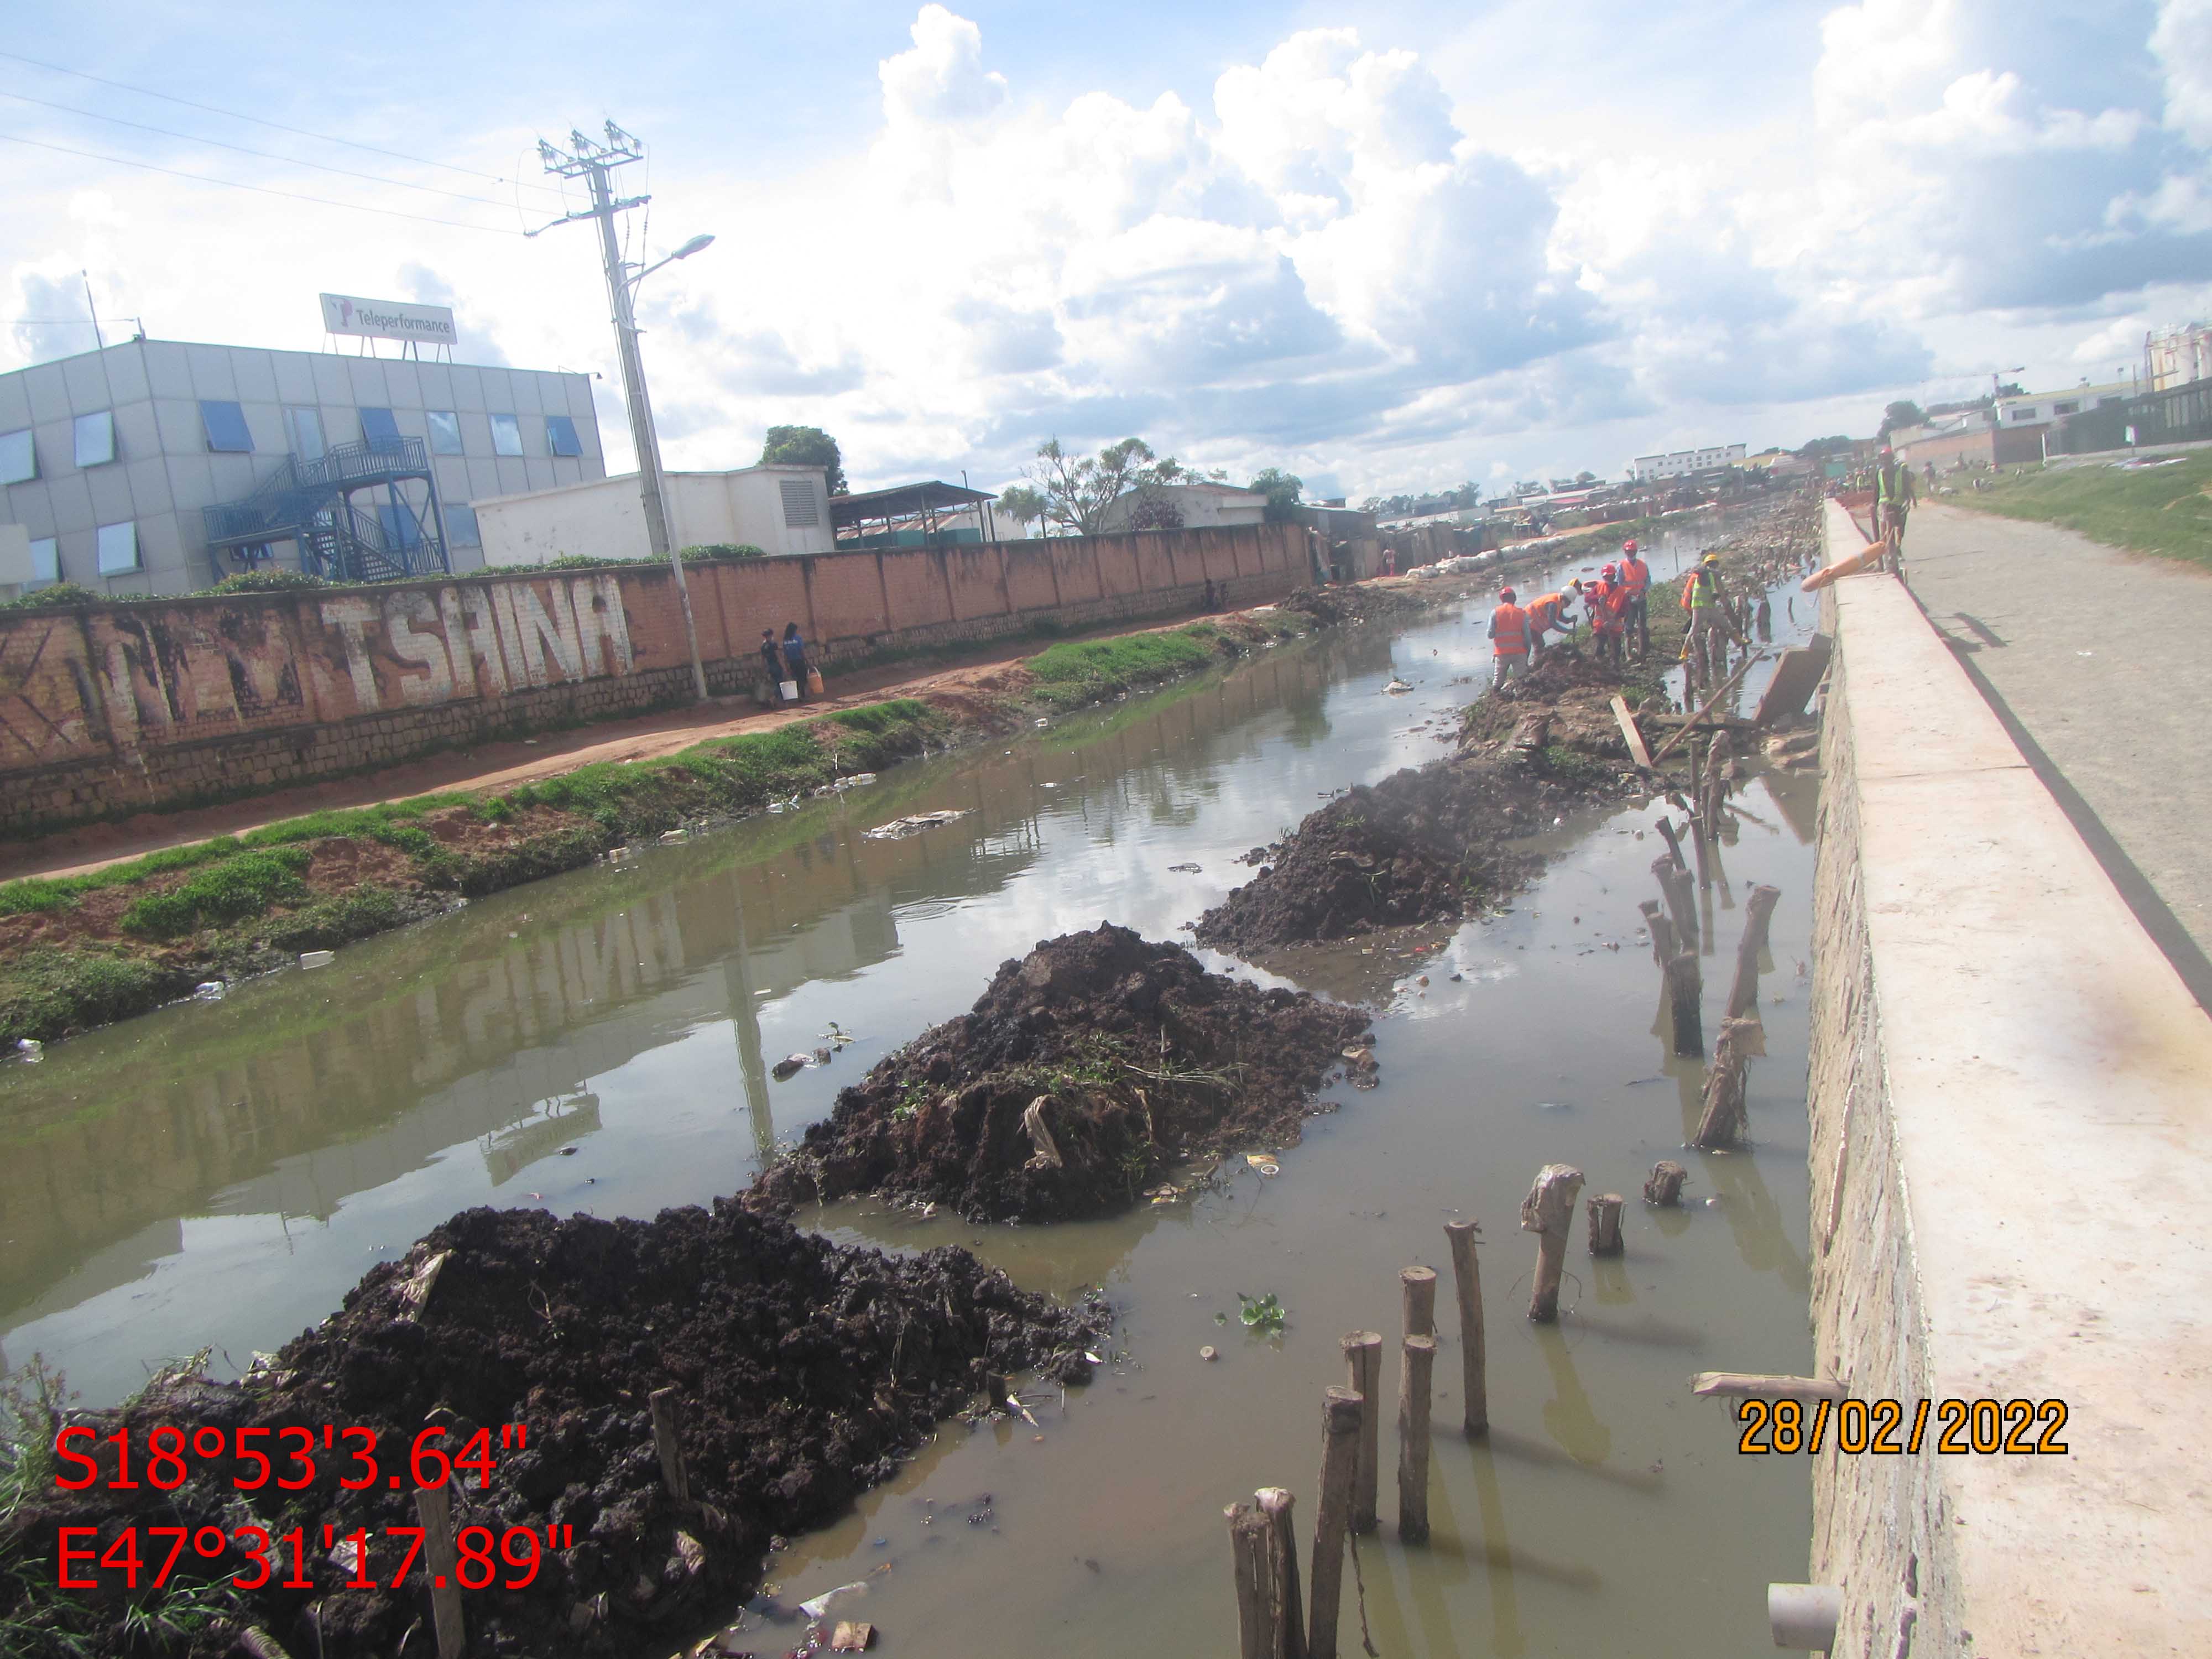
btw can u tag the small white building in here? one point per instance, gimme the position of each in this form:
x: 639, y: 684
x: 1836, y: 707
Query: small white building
x: 2041, y: 408
x: 777, y: 508
x: 1203, y: 506
x: 1681, y: 463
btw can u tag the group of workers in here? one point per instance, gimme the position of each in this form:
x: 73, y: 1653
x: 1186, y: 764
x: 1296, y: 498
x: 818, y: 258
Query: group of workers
x: 1618, y: 605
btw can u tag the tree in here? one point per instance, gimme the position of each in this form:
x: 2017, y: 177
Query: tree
x: 1904, y: 412
x: 805, y: 446
x: 1078, y: 489
x: 1583, y: 480
x: 1816, y: 448
x: 1021, y: 504
x: 1281, y: 489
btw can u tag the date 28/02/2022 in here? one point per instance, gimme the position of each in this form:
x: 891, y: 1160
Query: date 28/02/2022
x: 1892, y: 1428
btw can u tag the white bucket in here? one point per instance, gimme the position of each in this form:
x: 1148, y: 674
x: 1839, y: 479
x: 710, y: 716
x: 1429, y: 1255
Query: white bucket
x: 790, y: 690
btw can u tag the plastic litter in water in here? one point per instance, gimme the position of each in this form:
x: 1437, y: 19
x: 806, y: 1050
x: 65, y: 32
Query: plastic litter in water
x: 316, y: 959
x: 210, y: 990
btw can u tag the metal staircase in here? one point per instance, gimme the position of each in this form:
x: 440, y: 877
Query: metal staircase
x: 310, y: 502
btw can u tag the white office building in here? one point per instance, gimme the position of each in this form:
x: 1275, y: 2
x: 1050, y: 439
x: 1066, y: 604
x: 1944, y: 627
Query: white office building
x: 1683, y: 462
x: 159, y: 467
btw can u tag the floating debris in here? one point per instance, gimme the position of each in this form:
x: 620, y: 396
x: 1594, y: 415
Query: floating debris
x: 1184, y: 869
x: 211, y: 990
x: 898, y: 828
x: 316, y: 959
x: 1264, y: 1163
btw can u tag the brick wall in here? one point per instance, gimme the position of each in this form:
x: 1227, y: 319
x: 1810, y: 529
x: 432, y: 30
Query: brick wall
x: 127, y: 707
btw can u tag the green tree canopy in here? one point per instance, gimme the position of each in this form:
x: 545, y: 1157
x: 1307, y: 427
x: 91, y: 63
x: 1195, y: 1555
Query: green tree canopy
x: 1077, y: 489
x: 1024, y: 505
x: 1904, y: 412
x: 805, y: 446
x: 1281, y: 489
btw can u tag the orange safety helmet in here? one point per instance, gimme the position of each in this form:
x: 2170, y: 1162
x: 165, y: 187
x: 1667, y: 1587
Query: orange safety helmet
x: 1612, y: 572
x: 1629, y: 546
x: 1506, y: 594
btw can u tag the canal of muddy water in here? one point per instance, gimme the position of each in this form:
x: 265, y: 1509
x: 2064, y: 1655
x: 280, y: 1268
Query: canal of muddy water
x: 219, y: 1174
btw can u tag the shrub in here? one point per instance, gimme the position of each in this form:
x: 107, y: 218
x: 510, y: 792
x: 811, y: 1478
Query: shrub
x: 232, y: 890
x: 707, y: 551
x: 267, y: 581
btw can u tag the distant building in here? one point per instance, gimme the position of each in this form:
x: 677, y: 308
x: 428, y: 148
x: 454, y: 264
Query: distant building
x: 2042, y: 408
x: 777, y: 508
x: 1683, y: 462
x: 2176, y: 356
x: 159, y: 466
x: 1203, y: 506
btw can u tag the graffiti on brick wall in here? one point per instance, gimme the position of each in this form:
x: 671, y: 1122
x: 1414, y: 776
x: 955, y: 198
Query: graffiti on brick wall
x: 75, y: 684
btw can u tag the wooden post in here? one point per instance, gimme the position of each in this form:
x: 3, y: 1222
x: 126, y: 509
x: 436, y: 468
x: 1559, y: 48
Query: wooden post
x: 1681, y: 900
x: 1723, y: 1123
x: 1605, y: 1224
x: 1674, y: 844
x: 1686, y: 985
x: 667, y: 1409
x: 1363, y: 1357
x: 1757, y: 911
x: 1548, y: 1212
x: 1661, y: 930
x: 1664, y: 1187
x: 1339, y: 1468
x: 1701, y: 831
x: 434, y: 1507
x: 1420, y: 1284
x: 995, y: 1390
x: 1467, y: 1277
x: 1414, y: 1389
x: 1287, y: 1612
x: 1247, y: 1543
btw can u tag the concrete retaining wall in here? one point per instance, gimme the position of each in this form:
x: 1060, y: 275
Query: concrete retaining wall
x: 2011, y: 1136
x: 122, y: 708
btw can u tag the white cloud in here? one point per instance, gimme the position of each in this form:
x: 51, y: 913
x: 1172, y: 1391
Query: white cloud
x: 942, y: 78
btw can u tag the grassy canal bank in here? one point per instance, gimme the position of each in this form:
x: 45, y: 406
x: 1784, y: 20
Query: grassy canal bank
x: 2165, y: 510
x: 82, y: 950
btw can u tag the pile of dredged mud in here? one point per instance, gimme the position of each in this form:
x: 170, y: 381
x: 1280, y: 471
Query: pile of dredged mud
x: 1086, y: 1071
x: 1434, y: 842
x: 806, y: 1372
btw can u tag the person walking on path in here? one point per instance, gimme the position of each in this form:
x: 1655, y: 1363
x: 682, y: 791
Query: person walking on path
x: 1549, y: 614
x: 1636, y: 619
x: 794, y: 658
x: 1894, y: 496
x: 1509, y: 641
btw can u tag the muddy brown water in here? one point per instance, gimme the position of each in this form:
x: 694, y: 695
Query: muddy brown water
x: 218, y: 1174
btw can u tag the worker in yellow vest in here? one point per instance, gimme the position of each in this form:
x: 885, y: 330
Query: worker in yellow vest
x: 1509, y: 641
x: 1704, y: 646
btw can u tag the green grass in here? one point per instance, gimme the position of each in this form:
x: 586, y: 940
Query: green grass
x: 2162, y: 510
x: 1080, y: 671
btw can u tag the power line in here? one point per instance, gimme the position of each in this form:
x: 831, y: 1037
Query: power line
x: 302, y: 132
x: 260, y: 190
x: 265, y: 154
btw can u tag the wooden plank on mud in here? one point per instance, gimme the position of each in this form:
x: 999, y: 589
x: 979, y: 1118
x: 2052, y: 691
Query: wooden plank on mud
x: 1636, y: 748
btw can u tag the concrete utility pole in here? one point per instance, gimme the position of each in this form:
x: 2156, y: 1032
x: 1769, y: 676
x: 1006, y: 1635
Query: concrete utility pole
x: 592, y: 162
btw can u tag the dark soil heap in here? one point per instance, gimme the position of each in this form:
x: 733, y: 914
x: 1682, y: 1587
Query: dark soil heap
x: 1428, y: 844
x: 1135, y: 1056
x: 806, y: 1372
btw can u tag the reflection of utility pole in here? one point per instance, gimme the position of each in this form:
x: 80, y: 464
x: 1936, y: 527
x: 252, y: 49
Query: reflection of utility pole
x: 593, y: 163
x: 745, y: 1015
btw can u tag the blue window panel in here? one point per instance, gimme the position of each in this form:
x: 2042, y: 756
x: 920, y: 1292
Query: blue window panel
x: 445, y: 432
x: 402, y: 529
x: 225, y: 425
x: 96, y: 438
x: 19, y: 457
x: 45, y: 560
x: 506, y: 435
x: 119, y: 546
x: 378, y: 429
x: 306, y: 427
x: 561, y: 437
x: 461, y: 526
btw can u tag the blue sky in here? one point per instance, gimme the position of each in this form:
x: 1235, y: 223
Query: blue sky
x: 1388, y: 247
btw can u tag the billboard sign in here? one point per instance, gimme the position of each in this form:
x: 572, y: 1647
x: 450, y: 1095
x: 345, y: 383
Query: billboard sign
x: 388, y: 319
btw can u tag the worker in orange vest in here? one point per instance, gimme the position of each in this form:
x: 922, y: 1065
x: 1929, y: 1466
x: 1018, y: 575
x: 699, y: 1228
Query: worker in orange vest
x: 1607, y: 601
x: 1509, y: 641
x: 1549, y: 614
x: 1636, y: 577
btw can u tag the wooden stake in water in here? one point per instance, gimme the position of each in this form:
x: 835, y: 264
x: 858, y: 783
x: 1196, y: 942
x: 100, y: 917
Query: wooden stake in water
x: 1339, y: 1468
x: 1548, y: 1212
x: 1420, y: 1285
x: 1248, y: 1534
x: 1685, y: 989
x: 1664, y: 1188
x: 1681, y: 900
x: 1287, y: 1612
x: 1604, y: 1212
x: 1722, y: 1123
x: 1757, y: 913
x: 433, y: 1507
x: 1363, y: 1357
x: 1467, y: 1276
x: 1414, y: 1389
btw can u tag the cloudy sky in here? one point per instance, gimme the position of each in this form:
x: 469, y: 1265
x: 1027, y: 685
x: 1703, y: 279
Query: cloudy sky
x: 1388, y: 247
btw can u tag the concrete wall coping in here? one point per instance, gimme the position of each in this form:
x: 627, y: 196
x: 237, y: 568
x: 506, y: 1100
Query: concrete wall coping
x: 2049, y: 1079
